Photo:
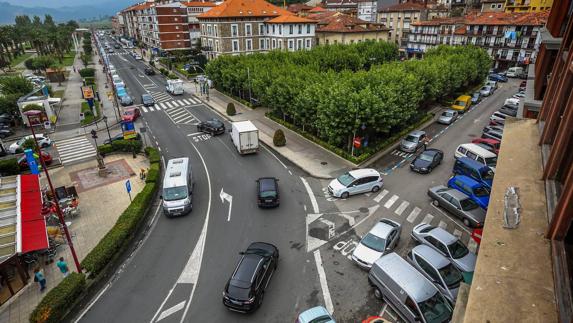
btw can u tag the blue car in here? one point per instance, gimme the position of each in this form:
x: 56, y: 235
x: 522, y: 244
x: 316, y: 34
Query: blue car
x: 121, y: 92
x: 497, y: 77
x: 478, y: 192
x: 471, y: 168
x: 315, y: 314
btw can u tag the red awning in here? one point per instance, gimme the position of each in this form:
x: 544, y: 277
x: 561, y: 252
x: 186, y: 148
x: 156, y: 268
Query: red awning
x: 33, y: 224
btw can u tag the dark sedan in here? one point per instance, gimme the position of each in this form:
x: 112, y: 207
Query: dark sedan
x: 212, y: 126
x: 498, y: 77
x: 427, y: 161
x: 149, y: 71
x: 459, y: 204
x: 126, y: 100
x: 147, y: 100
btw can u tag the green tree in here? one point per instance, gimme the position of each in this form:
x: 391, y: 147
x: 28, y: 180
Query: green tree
x: 279, y: 138
x: 231, y: 109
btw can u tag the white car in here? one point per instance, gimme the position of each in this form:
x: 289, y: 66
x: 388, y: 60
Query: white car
x: 137, y: 57
x: 43, y: 141
x: 355, y: 182
x: 380, y: 240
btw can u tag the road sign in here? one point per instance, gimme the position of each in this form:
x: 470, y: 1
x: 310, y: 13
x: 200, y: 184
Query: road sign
x: 128, y: 188
x: 32, y: 163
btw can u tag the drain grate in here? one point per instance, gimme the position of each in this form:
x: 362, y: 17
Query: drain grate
x: 512, y: 208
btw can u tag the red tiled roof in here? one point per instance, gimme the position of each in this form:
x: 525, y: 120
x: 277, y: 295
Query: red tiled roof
x: 340, y: 2
x: 461, y: 30
x: 317, y: 9
x: 142, y: 6
x: 509, y: 18
x: 406, y: 6
x: 332, y: 21
x: 290, y: 19
x: 198, y: 4
x: 298, y: 7
x: 244, y: 8
x: 440, y: 21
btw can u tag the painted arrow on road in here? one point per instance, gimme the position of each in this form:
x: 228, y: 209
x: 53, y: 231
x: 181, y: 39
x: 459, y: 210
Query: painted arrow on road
x: 226, y: 197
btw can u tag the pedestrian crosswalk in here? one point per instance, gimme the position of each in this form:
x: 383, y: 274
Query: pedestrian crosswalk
x: 117, y: 54
x: 159, y: 96
x: 75, y: 149
x: 400, y: 153
x: 181, y: 115
x: 171, y: 104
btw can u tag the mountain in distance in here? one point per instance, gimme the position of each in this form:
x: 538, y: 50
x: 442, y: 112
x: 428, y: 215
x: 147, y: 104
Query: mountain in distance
x: 78, y: 9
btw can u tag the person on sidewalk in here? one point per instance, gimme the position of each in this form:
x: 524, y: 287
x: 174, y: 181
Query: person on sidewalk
x: 40, y: 279
x: 63, y: 267
x: 74, y: 68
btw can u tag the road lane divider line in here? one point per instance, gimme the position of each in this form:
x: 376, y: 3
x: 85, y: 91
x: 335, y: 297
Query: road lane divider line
x: 275, y: 156
x: 323, y: 282
x: 172, y: 310
x: 310, y: 195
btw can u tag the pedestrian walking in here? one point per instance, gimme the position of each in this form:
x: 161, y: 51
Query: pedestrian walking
x: 40, y: 279
x: 142, y: 174
x: 426, y: 140
x: 63, y: 267
x: 74, y: 68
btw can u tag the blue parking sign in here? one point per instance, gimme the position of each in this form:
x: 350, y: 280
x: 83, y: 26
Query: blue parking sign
x: 31, y: 160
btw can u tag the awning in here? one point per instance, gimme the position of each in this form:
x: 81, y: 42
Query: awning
x: 33, y: 235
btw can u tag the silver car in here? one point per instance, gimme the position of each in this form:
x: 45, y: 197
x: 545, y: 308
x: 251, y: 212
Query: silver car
x: 413, y: 141
x: 438, y: 269
x: 448, y: 117
x: 447, y: 245
x: 381, y: 239
x: 486, y: 90
x: 458, y: 204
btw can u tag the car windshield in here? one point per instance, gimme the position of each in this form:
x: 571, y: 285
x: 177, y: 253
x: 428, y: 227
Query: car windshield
x: 447, y: 114
x: 411, y: 138
x: 457, y: 249
x: 321, y: 319
x: 174, y: 193
x: 481, y: 191
x: 460, y: 103
x: 426, y: 157
x: 374, y: 242
x: 485, y: 88
x: 487, y: 175
x: 468, y: 204
x: 476, y: 95
x: 491, y: 161
x: 436, y: 309
x: 451, y: 275
x: 346, y: 179
x: 128, y: 113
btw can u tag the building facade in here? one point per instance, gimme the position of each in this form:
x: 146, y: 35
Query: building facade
x: 367, y: 10
x: 527, y: 5
x: 424, y: 35
x: 339, y: 28
x: 249, y: 26
x: 341, y: 5
x: 493, y: 6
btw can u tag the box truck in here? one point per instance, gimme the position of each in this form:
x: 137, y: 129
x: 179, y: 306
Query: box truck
x: 175, y: 87
x: 245, y: 137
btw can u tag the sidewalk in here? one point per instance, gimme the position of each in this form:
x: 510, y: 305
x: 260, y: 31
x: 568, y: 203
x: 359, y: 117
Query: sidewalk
x: 86, y: 229
x: 310, y: 157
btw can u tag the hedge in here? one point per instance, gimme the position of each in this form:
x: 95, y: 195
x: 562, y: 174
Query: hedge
x: 9, y: 167
x: 87, y: 72
x: 125, y: 227
x: 153, y: 155
x: 89, y: 80
x: 56, y: 304
x: 127, y: 146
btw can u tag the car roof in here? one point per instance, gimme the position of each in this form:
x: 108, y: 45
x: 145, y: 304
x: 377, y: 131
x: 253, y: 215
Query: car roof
x: 381, y: 229
x: 463, y: 97
x: 417, y: 133
x: 406, y: 276
x: 449, y: 110
x: 442, y: 235
x: 471, y: 162
x: 466, y: 180
x: 488, y: 140
x: 479, y: 150
x: 431, y: 151
x: 430, y: 255
x: 247, y: 267
x: 267, y: 183
x: 313, y: 313
x: 456, y: 194
x: 364, y: 172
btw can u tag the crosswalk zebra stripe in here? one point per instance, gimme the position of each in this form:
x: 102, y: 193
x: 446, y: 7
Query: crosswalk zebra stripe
x: 186, y: 119
x: 195, y: 101
x: 177, y: 112
x: 183, y: 118
x: 168, y: 104
x: 391, y: 201
x: 402, y: 207
x: 428, y: 218
x: 443, y: 225
x: 144, y: 109
x: 75, y: 150
x: 185, y: 101
x: 175, y: 103
x: 72, y: 140
x: 151, y: 109
x: 380, y: 196
x: 457, y: 233
x: 413, y: 215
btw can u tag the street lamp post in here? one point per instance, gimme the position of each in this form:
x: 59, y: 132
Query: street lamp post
x: 107, y: 128
x: 58, y: 209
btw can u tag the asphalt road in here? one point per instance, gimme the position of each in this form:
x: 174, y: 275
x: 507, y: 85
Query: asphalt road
x: 179, y: 272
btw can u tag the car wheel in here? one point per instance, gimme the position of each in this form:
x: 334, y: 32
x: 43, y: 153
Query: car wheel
x: 378, y: 293
x: 436, y: 203
x: 344, y: 195
x: 467, y: 222
x: 375, y: 189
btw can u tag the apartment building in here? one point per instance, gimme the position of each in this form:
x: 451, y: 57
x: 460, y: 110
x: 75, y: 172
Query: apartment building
x: 399, y: 17
x: 439, y: 31
x: 341, y: 5
x: 493, y: 6
x: 339, y: 28
x: 367, y: 10
x: 194, y: 9
x: 249, y: 26
x: 527, y: 5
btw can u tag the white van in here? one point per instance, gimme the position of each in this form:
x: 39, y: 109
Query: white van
x: 477, y: 153
x: 515, y: 72
x: 177, y: 187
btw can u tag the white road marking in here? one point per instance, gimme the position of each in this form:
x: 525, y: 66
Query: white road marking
x: 310, y: 195
x: 162, y: 106
x: 227, y: 197
x: 457, y: 233
x: 275, y: 156
x: 144, y: 109
x: 185, y: 101
x: 443, y: 225
x: 351, y: 220
x: 195, y: 133
x: 184, y: 119
x: 428, y: 218
x: 402, y: 207
x: 323, y: 283
x: 168, y: 104
x: 175, y: 103
x: 177, y: 112
x: 331, y: 227
x: 151, y: 109
x: 391, y: 201
x: 380, y: 196
x: 413, y: 215
x: 171, y: 310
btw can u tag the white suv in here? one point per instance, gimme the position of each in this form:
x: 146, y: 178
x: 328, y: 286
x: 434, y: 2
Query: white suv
x: 355, y: 182
x: 43, y: 141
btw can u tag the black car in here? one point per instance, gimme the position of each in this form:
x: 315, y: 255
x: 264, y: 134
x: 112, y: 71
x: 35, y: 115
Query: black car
x: 149, y: 71
x: 245, y: 289
x: 5, y: 132
x: 147, y: 100
x: 268, y: 192
x: 427, y: 161
x: 126, y: 100
x: 212, y: 126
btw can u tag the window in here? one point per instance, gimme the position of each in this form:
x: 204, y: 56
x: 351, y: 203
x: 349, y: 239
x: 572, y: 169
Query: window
x: 249, y: 44
x: 280, y: 44
x: 427, y: 268
x: 299, y: 29
x: 411, y: 306
x: 215, y: 29
x: 493, y: 6
x: 261, y: 29
x: 175, y: 19
x: 273, y: 29
x: 234, y: 30
x: 261, y: 44
x: 248, y: 30
x: 308, y: 28
x: 308, y: 43
x: 280, y: 29
x: 299, y: 44
x: 235, y: 45
x: 216, y: 45
x: 267, y: 29
x: 274, y: 43
x: 176, y: 27
x: 290, y: 44
x: 499, y: 6
x: 290, y: 29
